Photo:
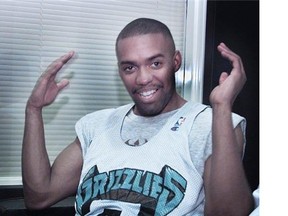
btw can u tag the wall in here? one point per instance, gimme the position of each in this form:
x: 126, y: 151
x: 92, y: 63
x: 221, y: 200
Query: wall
x: 237, y: 24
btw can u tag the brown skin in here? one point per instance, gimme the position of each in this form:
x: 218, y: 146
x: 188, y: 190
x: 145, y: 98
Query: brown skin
x: 227, y: 191
x: 147, y: 65
x: 44, y: 184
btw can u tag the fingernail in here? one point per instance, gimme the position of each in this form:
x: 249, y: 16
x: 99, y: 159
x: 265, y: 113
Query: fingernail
x: 70, y: 53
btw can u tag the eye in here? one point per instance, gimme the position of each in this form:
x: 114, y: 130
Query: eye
x: 156, y: 64
x: 128, y: 69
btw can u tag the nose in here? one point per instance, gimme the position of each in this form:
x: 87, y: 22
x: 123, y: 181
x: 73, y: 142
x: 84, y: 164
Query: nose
x: 144, y: 76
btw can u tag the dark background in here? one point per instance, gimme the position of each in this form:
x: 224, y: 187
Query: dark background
x: 236, y: 23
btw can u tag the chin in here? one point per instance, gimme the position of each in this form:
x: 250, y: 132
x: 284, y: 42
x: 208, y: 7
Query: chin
x: 148, y: 110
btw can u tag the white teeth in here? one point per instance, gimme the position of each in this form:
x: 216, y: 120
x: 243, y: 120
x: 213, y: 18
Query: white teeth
x: 147, y: 93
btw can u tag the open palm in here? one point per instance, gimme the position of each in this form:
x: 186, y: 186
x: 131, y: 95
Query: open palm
x: 229, y: 84
x: 46, y: 88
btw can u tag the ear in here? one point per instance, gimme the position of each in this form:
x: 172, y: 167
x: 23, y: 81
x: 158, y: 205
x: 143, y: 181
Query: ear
x: 177, y: 60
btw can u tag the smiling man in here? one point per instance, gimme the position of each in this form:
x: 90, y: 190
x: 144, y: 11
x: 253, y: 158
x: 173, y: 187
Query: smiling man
x: 147, y: 66
x: 160, y: 155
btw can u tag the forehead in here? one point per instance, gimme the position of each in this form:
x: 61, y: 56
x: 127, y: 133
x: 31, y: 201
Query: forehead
x: 143, y: 46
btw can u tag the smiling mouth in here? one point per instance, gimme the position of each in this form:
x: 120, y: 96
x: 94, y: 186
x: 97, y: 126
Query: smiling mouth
x: 147, y: 93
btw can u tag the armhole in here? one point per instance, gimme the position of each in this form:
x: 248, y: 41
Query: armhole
x: 241, y: 122
x: 81, y: 136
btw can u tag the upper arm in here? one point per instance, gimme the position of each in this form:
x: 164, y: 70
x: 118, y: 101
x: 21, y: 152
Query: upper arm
x: 240, y: 141
x: 65, y: 172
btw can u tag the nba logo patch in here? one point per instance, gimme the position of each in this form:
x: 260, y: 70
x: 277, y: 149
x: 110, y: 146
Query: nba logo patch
x: 176, y: 126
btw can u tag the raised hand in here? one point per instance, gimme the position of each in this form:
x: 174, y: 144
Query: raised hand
x: 46, y: 88
x: 229, y: 84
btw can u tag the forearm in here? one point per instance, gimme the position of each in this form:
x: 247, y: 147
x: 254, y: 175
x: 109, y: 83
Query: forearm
x: 44, y: 185
x: 228, y: 186
x: 35, y: 162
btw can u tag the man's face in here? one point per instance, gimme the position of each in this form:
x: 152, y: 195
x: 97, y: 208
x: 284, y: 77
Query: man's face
x: 147, y: 65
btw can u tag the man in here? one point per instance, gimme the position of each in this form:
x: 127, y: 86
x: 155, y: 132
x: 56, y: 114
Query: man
x: 160, y: 155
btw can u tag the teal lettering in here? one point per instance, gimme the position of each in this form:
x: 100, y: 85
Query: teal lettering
x: 156, y: 186
x: 99, y: 184
x: 173, y: 192
x: 85, y: 190
x: 128, y: 179
x: 84, y: 194
x: 147, y: 184
x: 136, y: 184
x: 118, y: 177
x: 164, y: 191
x: 111, y: 180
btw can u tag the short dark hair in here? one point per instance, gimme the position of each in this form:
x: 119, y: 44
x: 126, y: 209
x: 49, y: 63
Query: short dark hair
x: 143, y: 26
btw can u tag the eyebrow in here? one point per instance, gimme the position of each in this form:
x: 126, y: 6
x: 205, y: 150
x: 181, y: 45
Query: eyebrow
x: 127, y: 62
x: 156, y: 56
x: 149, y: 59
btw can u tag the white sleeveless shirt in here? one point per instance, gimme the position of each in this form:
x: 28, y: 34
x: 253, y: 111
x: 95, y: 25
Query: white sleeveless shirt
x: 157, y: 178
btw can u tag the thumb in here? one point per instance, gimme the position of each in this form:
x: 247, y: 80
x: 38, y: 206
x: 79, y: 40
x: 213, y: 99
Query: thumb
x: 223, y: 77
x: 62, y: 84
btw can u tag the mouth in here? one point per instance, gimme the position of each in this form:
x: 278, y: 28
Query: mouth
x: 147, y: 94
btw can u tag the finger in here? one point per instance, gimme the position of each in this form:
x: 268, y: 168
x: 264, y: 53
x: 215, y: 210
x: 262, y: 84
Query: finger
x: 226, y: 52
x: 65, y: 58
x: 62, y: 84
x: 223, y: 47
x: 223, y: 77
x: 231, y: 56
x: 56, y: 65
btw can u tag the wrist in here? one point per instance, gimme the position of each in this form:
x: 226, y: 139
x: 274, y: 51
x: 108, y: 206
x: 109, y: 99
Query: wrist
x: 222, y: 107
x: 30, y: 108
